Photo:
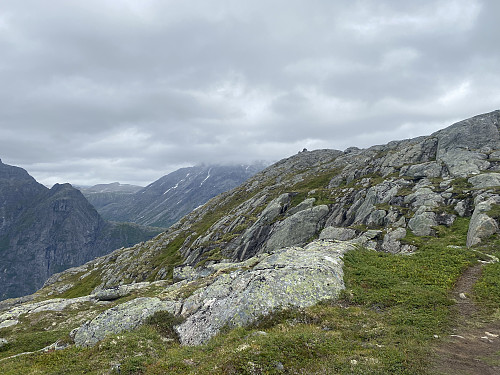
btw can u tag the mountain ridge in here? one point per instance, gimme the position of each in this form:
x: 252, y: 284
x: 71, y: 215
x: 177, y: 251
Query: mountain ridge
x: 377, y: 235
x: 45, y: 231
x: 166, y: 200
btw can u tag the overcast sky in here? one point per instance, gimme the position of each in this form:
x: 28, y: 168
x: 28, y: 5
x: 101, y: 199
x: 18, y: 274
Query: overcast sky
x: 98, y: 91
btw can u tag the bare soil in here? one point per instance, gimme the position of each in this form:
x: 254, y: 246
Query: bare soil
x: 474, y: 345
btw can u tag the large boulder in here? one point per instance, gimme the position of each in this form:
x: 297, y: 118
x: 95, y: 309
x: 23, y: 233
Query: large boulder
x: 459, y: 145
x: 124, y: 317
x: 485, y: 180
x: 290, y: 277
x: 422, y: 223
x: 339, y: 234
x: 391, y: 241
x: 482, y: 225
x: 429, y: 170
x: 297, y: 229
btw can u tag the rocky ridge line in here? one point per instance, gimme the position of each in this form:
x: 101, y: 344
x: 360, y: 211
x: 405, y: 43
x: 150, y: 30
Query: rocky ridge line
x: 316, y: 204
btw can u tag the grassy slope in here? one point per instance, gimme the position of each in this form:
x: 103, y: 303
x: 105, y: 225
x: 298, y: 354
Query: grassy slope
x: 384, y: 323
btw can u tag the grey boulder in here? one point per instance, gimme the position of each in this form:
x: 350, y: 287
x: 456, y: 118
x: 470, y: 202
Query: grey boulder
x: 481, y: 224
x: 124, y: 317
x: 290, y: 277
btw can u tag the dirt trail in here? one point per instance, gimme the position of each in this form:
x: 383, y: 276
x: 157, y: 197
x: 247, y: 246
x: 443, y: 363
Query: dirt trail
x: 474, y: 346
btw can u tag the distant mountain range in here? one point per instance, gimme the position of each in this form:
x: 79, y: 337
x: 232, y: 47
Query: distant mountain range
x: 44, y: 231
x: 165, y: 201
x: 102, y: 195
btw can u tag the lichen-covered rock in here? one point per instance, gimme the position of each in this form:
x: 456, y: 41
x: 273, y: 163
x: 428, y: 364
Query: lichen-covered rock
x: 54, y: 304
x: 421, y: 224
x: 8, y: 323
x: 340, y: 234
x: 124, y: 317
x: 419, y: 150
x: 364, y: 207
x: 110, y: 294
x: 485, y: 180
x: 391, y: 241
x: 289, y: 277
x: 369, y: 239
x: 460, y: 146
x: 190, y: 273
x: 429, y: 170
x: 296, y: 229
x: 304, y: 205
x: 423, y: 196
x: 481, y: 224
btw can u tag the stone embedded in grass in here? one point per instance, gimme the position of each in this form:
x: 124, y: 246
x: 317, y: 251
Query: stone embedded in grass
x: 124, y: 317
x: 3, y: 342
x: 482, y: 225
x: 289, y: 277
x: 8, y: 323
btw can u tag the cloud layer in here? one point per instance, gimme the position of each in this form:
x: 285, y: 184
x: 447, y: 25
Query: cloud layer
x: 100, y: 91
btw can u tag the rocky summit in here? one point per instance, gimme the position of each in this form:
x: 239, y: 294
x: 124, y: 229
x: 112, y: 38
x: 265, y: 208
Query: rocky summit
x: 345, y: 260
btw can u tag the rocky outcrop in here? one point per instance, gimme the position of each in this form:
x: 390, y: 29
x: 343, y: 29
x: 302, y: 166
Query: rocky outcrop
x: 290, y: 277
x: 464, y: 146
x: 485, y: 180
x: 482, y: 225
x: 233, y: 294
x: 254, y: 249
x: 334, y: 233
x: 413, y: 184
x: 297, y: 229
x: 123, y: 317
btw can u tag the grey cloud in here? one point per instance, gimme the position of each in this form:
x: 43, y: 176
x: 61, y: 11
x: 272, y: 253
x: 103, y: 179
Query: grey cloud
x: 99, y: 91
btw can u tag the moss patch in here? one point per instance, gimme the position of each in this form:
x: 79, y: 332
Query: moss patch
x: 84, y: 286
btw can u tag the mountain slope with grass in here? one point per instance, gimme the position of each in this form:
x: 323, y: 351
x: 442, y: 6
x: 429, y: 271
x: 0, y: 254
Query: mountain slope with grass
x: 102, y: 195
x: 325, y: 262
x: 166, y: 200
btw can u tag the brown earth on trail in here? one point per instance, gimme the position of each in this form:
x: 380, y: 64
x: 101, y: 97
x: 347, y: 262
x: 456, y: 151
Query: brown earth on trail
x: 474, y: 345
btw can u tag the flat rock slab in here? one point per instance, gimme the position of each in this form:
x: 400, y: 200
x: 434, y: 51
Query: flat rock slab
x: 124, y: 317
x: 485, y: 180
x: 291, y: 277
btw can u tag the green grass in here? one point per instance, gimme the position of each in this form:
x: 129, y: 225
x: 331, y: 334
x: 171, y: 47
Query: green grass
x: 168, y: 258
x: 83, y: 287
x: 163, y: 322
x: 384, y: 323
x: 319, y: 181
x: 487, y: 288
x: 494, y: 212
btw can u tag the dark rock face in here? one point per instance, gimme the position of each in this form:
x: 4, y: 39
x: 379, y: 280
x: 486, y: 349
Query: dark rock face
x: 166, y: 200
x: 44, y: 231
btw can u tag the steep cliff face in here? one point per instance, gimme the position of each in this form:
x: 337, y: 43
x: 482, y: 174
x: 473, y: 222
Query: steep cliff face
x: 279, y: 238
x: 166, y: 200
x: 45, y: 231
